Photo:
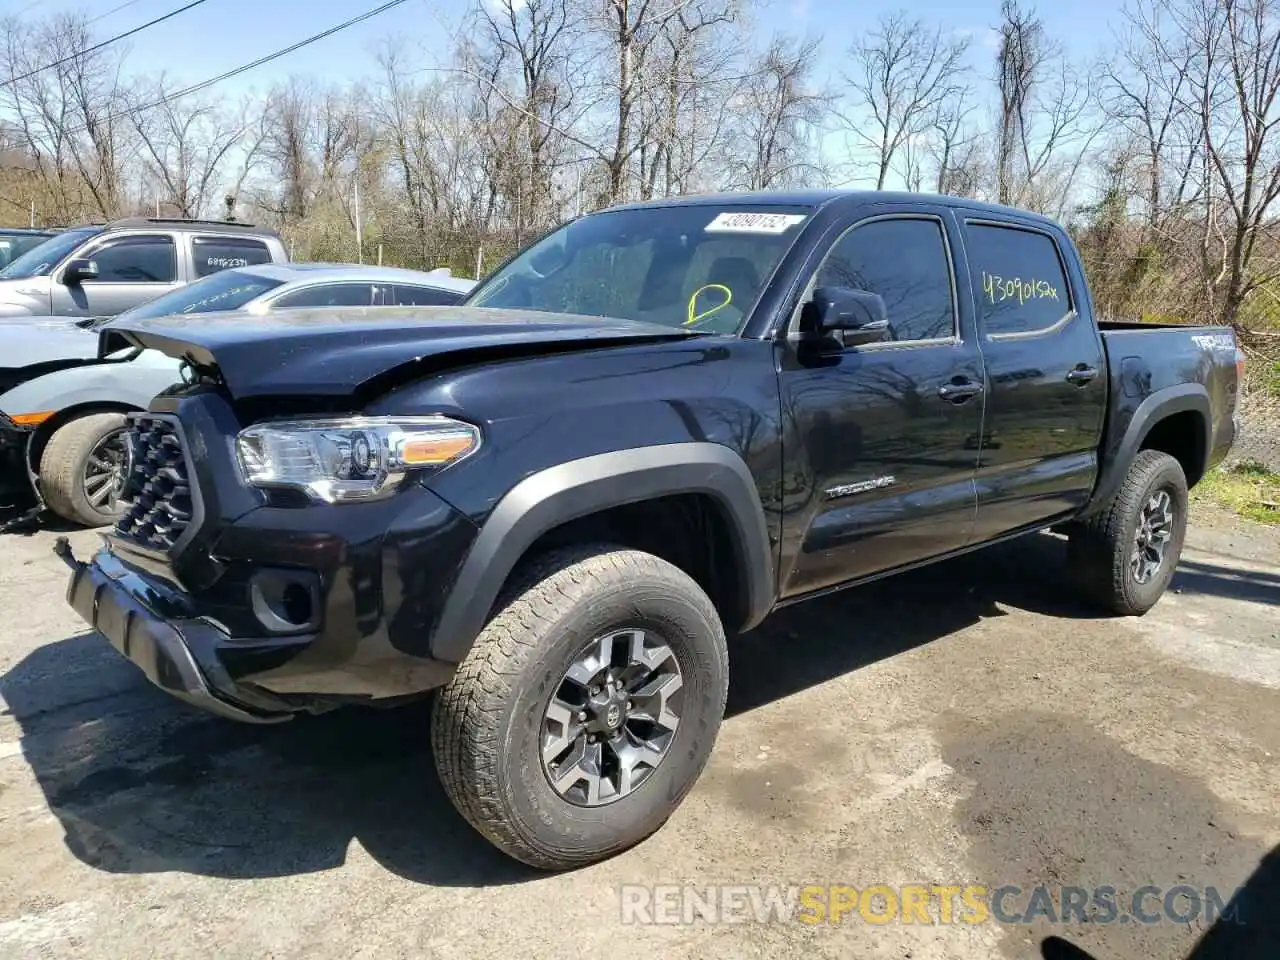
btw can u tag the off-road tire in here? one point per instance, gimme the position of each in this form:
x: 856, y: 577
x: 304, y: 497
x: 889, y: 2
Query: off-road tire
x: 62, y: 466
x: 1100, y: 548
x: 487, y: 722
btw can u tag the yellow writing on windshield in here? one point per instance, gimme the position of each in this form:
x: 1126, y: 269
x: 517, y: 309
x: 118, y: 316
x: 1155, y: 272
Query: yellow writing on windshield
x: 692, y: 315
x: 999, y: 289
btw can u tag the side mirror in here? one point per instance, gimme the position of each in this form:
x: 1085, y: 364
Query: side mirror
x: 78, y: 270
x: 852, y: 317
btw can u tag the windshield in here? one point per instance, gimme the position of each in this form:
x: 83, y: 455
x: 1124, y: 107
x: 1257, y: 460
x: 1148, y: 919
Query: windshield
x: 14, y: 245
x: 225, y: 290
x: 701, y: 267
x: 38, y: 261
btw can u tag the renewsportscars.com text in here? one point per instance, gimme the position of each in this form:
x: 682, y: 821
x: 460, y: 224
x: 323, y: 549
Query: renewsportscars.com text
x: 924, y: 904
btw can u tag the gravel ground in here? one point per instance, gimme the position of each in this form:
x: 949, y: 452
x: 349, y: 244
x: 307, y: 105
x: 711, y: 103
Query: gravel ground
x: 964, y: 724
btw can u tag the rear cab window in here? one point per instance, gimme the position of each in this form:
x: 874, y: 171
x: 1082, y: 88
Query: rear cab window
x: 1018, y: 278
x: 212, y: 254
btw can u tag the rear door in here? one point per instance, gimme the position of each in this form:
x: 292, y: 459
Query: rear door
x: 1045, y: 371
x: 885, y: 434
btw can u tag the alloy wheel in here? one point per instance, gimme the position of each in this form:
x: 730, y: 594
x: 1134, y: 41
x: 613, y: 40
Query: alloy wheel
x: 104, y: 472
x: 613, y: 717
x: 1152, y: 536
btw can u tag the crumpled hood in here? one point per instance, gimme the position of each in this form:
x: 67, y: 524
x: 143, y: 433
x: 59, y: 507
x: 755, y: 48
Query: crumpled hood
x: 337, y: 352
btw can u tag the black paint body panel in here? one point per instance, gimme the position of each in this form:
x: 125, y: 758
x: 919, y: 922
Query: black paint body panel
x: 580, y: 414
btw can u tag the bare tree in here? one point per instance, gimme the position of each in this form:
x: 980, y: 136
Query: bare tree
x: 68, y: 118
x: 1233, y: 80
x: 196, y: 151
x: 529, y: 48
x: 953, y: 147
x: 1046, y: 120
x: 1147, y: 91
x: 779, y: 112
x: 1019, y: 61
x: 633, y: 33
x: 904, y: 71
x: 692, y: 81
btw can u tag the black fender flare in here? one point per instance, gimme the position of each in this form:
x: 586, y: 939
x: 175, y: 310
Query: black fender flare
x: 1180, y: 398
x: 580, y: 487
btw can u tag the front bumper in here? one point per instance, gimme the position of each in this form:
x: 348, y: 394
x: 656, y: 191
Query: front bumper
x: 180, y: 657
x: 16, y: 489
x: 207, y: 618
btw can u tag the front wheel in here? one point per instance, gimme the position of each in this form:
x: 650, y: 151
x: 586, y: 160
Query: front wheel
x: 586, y: 708
x: 1124, y: 557
x: 82, y: 469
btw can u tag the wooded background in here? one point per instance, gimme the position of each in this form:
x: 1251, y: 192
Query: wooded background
x: 1163, y: 156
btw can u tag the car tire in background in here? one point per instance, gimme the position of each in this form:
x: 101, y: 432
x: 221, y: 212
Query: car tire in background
x: 81, y: 469
x: 587, y: 707
x: 1124, y: 556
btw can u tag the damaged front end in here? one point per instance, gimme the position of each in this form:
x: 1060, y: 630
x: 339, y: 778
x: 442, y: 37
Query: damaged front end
x: 16, y: 490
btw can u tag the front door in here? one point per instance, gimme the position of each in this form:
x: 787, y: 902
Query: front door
x: 883, y: 437
x: 1046, y: 379
x: 132, y: 269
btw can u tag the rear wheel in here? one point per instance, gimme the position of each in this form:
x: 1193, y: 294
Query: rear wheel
x: 586, y: 708
x: 1124, y: 557
x: 82, y: 469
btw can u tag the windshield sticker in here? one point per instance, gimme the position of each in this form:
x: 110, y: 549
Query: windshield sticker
x: 754, y: 222
x: 999, y: 289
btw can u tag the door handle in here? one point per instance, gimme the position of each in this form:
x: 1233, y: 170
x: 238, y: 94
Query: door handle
x: 1081, y: 375
x: 959, y: 391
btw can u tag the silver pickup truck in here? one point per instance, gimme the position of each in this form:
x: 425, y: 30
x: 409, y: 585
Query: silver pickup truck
x: 105, y: 269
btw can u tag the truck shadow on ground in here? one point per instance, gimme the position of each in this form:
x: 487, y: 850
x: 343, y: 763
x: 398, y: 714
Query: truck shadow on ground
x: 142, y: 784
x: 1249, y: 928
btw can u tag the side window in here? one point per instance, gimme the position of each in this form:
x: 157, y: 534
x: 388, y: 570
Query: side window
x: 330, y: 295
x: 905, y: 261
x: 407, y: 296
x: 211, y: 254
x: 1018, y: 277
x: 136, y: 260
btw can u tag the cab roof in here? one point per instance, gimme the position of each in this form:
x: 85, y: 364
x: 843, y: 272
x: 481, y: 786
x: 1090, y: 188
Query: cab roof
x: 821, y: 198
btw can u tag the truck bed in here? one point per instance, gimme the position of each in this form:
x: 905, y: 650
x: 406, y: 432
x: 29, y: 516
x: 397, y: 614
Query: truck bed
x: 1195, y: 363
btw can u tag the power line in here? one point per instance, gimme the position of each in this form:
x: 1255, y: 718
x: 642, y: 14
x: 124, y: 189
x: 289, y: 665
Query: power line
x: 32, y: 5
x: 105, y: 43
x: 203, y: 84
x: 103, y: 16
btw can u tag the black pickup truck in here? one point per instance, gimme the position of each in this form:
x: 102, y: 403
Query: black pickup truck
x: 651, y: 428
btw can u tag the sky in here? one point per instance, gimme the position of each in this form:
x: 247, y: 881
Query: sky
x: 219, y: 35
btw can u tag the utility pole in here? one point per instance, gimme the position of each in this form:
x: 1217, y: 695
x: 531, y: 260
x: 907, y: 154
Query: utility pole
x: 33, y: 214
x: 359, y: 229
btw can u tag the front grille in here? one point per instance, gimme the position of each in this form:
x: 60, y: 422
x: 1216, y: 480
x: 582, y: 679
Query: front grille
x: 157, y: 493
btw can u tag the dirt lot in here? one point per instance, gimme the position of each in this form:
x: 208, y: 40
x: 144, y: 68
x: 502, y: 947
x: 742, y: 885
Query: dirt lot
x: 967, y: 724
